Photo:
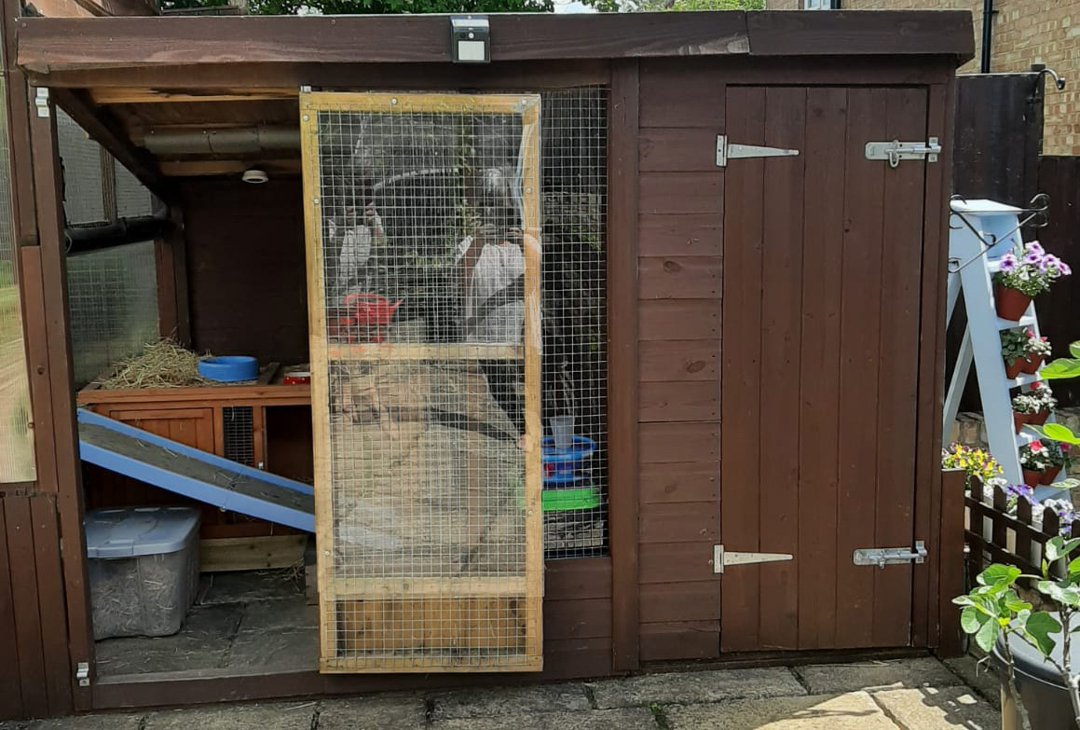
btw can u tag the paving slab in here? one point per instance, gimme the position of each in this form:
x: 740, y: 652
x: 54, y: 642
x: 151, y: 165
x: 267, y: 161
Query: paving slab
x: 851, y: 711
x: 696, y: 687
x: 933, y: 708
x: 511, y: 700
x: 372, y: 713
x: 624, y: 718
x: 201, y: 644
x: 85, y: 722
x: 833, y: 679
x: 290, y: 613
x: 980, y: 676
x: 275, y: 716
x: 275, y: 651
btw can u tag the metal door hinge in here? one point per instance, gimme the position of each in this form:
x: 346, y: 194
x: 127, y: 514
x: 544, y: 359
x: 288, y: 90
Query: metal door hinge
x: 896, y: 150
x: 722, y: 558
x: 890, y: 556
x: 729, y: 151
x: 41, y: 101
x: 82, y: 673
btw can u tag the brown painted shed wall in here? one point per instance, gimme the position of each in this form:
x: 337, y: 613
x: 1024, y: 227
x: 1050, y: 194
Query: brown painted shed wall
x: 680, y: 219
x: 246, y: 271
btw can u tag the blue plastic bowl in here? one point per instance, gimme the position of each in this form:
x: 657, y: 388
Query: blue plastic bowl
x: 229, y: 369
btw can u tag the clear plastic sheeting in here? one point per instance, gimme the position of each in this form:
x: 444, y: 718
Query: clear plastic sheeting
x: 16, y: 439
x: 112, y: 297
x: 426, y: 340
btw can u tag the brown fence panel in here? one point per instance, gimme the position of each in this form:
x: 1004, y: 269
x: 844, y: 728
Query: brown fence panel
x: 998, y: 140
x: 1059, y: 311
x: 999, y: 129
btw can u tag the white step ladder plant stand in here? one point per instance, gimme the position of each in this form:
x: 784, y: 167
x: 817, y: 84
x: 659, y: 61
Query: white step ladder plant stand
x: 981, y: 232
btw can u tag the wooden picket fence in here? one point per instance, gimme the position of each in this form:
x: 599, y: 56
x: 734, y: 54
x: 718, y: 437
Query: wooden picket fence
x: 995, y: 536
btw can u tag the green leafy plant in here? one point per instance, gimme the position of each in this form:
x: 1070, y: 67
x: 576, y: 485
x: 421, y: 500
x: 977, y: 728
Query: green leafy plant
x: 994, y: 609
x: 1013, y: 345
x: 1065, y: 367
x: 1036, y: 346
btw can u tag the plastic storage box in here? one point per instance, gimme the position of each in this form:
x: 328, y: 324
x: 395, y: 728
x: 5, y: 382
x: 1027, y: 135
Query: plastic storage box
x: 144, y: 569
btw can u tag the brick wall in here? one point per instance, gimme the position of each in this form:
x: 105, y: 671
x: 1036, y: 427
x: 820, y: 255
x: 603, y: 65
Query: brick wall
x: 1025, y: 32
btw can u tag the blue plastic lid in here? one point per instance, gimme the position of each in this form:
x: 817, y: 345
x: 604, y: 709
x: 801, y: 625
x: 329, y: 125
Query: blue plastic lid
x: 138, y: 531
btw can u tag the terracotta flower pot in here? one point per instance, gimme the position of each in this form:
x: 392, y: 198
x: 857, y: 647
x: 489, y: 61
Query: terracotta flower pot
x: 1014, y: 368
x: 1038, y: 419
x: 1031, y: 365
x: 1048, y: 476
x: 1011, y: 303
x: 1019, y: 419
x: 1032, y: 478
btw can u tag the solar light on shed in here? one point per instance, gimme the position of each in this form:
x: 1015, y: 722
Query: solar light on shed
x: 470, y: 39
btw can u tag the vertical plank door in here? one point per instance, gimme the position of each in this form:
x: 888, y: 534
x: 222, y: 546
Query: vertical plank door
x: 423, y: 219
x: 821, y: 302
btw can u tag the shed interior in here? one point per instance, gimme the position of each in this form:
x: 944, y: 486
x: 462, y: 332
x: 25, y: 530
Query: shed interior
x: 225, y: 274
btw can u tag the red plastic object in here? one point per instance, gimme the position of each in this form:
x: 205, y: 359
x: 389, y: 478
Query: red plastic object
x: 298, y: 377
x: 365, y: 319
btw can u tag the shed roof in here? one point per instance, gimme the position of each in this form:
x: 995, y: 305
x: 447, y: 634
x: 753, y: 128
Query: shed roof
x: 51, y: 45
x: 127, y: 78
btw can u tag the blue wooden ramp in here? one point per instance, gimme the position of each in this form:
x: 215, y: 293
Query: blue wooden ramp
x: 193, y: 473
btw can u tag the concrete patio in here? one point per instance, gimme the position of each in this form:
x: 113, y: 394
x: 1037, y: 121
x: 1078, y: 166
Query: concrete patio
x: 914, y: 694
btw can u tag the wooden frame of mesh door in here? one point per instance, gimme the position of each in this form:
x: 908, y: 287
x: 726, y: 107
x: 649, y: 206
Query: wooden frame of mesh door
x: 377, y: 604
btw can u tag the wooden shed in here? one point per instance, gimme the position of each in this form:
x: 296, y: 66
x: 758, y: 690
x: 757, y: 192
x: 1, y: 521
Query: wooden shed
x: 733, y: 234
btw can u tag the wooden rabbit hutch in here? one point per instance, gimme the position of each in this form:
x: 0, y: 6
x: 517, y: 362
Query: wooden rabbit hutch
x: 687, y: 246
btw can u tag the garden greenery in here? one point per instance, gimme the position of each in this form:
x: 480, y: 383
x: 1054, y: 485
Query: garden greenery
x: 994, y: 609
x: 1014, y: 345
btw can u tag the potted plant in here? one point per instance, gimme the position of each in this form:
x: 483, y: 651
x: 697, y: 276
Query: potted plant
x: 1044, y: 399
x: 1014, y: 344
x: 1036, y: 350
x: 1033, y: 649
x: 1042, y: 461
x: 1024, y: 406
x: 1023, y: 275
x: 978, y: 465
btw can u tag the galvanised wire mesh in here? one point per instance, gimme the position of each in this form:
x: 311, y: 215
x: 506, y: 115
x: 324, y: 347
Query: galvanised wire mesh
x: 112, y: 298
x: 574, y: 203
x: 16, y: 437
x: 428, y: 271
x: 238, y: 427
x: 82, y: 163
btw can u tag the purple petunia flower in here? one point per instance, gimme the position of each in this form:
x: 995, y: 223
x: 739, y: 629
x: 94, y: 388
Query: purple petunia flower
x: 1035, y: 247
x: 1008, y: 263
x: 1033, y: 258
x: 1064, y: 268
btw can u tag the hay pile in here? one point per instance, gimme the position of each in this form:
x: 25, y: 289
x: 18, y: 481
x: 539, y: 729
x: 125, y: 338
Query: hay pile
x: 161, y: 364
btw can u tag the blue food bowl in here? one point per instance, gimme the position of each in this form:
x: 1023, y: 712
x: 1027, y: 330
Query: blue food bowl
x: 229, y: 369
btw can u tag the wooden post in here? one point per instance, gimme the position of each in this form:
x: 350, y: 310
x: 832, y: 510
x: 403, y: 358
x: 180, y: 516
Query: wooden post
x: 622, y: 253
x: 950, y: 552
x: 66, y: 481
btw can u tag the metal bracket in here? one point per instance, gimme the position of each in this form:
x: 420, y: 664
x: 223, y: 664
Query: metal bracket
x: 729, y: 151
x: 722, y: 558
x: 890, y: 556
x: 896, y: 150
x: 41, y: 101
x: 82, y: 673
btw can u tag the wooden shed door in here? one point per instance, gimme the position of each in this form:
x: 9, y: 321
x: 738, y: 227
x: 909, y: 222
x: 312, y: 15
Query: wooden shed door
x: 822, y: 257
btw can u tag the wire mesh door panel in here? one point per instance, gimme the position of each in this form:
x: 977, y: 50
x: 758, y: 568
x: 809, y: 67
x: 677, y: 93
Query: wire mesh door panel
x: 423, y: 221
